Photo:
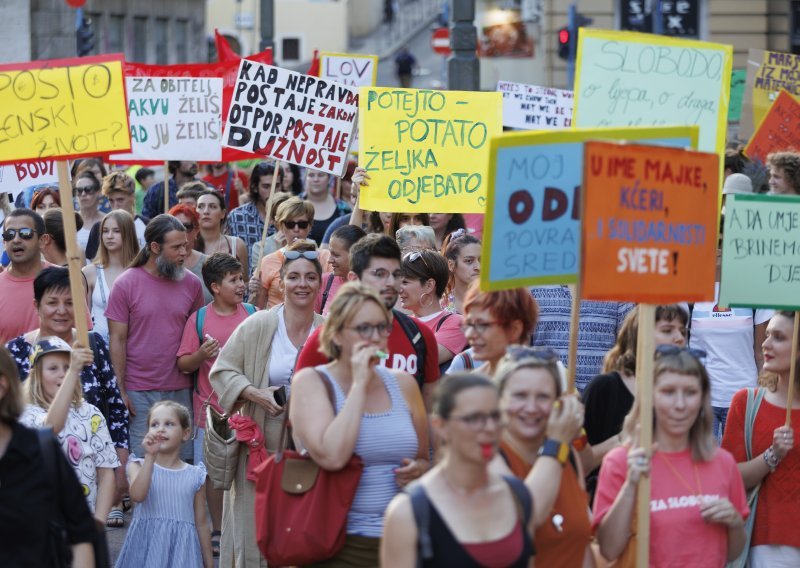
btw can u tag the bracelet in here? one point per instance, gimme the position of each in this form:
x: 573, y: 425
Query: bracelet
x: 770, y: 459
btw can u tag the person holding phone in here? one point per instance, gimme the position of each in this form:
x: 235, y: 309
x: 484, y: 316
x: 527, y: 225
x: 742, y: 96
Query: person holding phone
x: 253, y: 366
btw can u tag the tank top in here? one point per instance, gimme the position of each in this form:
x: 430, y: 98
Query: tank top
x: 384, y: 440
x: 100, y: 295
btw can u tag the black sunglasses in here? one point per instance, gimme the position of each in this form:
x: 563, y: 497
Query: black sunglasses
x: 292, y: 224
x: 189, y: 227
x: 295, y: 254
x: 87, y: 190
x: 674, y: 350
x: 24, y: 233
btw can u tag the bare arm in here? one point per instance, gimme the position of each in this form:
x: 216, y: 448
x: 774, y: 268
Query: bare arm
x: 142, y: 475
x: 413, y: 469
x: 90, y: 274
x: 755, y: 470
x: 118, y: 346
x: 358, y: 179
x: 201, y: 524
x: 106, y: 486
x: 399, y: 542
x: 190, y: 363
x: 83, y: 555
x: 592, y: 456
x: 445, y: 354
x: 56, y: 416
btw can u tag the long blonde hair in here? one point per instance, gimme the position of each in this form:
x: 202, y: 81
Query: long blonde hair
x: 34, y: 390
x: 130, y: 242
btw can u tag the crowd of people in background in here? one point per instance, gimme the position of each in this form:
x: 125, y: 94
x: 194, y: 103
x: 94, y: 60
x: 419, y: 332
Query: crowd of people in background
x: 237, y: 298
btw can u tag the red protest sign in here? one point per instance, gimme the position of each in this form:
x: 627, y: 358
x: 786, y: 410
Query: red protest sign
x: 649, y: 223
x: 779, y: 131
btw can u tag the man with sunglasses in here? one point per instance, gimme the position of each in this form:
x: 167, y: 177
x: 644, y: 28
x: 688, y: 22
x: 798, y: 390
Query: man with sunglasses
x: 375, y: 262
x: 120, y: 189
x: 22, y: 232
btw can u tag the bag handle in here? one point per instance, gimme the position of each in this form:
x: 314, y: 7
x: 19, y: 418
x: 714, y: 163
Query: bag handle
x: 754, y: 398
x: 284, y: 439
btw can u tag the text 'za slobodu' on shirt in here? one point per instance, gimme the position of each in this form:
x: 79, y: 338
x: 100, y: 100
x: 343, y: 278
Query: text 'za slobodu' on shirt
x: 155, y: 310
x: 726, y: 335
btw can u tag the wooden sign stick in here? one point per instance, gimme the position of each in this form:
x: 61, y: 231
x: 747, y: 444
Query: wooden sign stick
x: 337, y: 193
x: 792, y: 369
x: 257, y: 273
x: 645, y: 353
x: 574, y: 323
x: 76, y: 288
x: 166, y: 187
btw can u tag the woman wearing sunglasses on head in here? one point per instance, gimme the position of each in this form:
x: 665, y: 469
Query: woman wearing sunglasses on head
x: 293, y: 219
x: 252, y: 373
x: 425, y: 276
x: 696, y: 493
x: 378, y: 415
x: 774, y: 460
x: 541, y: 422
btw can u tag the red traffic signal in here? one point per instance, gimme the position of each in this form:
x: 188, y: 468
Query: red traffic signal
x: 563, y: 43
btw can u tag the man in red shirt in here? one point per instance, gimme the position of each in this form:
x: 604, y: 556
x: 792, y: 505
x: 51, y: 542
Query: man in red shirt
x: 375, y: 261
x: 227, y: 181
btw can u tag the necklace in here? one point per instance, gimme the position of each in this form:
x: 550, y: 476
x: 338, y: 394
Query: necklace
x: 699, y: 491
x: 216, y: 246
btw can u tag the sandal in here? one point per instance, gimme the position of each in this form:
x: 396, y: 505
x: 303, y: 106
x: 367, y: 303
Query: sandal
x: 215, y: 536
x: 115, y: 519
x: 126, y: 503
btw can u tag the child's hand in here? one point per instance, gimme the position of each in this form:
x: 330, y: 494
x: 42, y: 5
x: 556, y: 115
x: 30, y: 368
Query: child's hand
x: 151, y: 444
x: 80, y: 357
x: 210, y: 348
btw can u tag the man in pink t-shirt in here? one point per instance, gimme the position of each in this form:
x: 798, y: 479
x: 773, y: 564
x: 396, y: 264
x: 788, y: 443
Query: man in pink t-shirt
x: 147, y: 311
x: 22, y: 237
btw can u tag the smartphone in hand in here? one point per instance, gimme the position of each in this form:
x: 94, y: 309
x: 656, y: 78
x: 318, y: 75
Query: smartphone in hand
x: 280, y: 396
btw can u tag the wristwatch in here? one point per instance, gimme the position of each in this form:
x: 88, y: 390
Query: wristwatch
x: 555, y: 449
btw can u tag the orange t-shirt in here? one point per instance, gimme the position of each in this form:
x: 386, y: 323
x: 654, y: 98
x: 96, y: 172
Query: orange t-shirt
x: 566, y: 548
x: 779, y: 496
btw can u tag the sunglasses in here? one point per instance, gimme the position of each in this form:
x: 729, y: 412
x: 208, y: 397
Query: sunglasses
x: 292, y: 224
x: 519, y: 352
x: 295, y: 254
x: 82, y: 190
x: 414, y: 256
x: 25, y: 234
x: 674, y: 350
x: 189, y: 227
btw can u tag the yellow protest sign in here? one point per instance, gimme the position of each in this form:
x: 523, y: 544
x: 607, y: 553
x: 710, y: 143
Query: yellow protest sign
x: 767, y: 73
x: 426, y: 151
x: 62, y: 108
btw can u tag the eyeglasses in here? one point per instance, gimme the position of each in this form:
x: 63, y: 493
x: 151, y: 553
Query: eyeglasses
x: 414, y: 256
x: 383, y: 274
x: 478, y: 420
x: 292, y: 224
x: 367, y: 330
x: 480, y: 327
x: 519, y: 352
x: 86, y: 190
x: 295, y: 254
x: 674, y: 350
x: 24, y: 233
x: 189, y: 227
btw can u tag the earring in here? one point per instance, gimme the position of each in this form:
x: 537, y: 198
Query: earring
x: 421, y: 303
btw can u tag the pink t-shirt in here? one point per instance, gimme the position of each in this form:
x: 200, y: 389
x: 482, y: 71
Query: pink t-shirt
x: 449, y: 334
x: 474, y: 223
x: 220, y: 328
x: 335, y: 285
x: 17, y: 313
x: 678, y: 534
x: 156, y: 311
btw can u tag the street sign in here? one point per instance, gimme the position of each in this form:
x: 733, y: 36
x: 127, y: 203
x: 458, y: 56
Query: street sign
x: 440, y: 41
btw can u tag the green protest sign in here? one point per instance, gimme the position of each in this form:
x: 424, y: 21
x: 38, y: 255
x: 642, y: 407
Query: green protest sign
x: 738, y: 79
x: 761, y: 252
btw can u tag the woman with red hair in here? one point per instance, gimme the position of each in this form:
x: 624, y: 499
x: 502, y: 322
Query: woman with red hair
x: 188, y: 216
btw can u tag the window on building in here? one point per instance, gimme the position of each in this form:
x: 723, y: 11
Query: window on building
x: 290, y: 49
x: 794, y: 21
x: 679, y: 18
x: 182, y: 40
x: 140, y: 39
x: 115, y: 39
x: 161, y: 41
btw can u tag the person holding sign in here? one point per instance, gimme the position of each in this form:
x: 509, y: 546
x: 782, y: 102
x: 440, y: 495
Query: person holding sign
x: 775, y: 464
x: 784, y: 173
x: 326, y: 208
x: 697, y: 496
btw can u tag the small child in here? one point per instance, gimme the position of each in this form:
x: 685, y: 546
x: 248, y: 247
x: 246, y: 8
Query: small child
x: 205, y: 333
x: 170, y: 526
x: 55, y: 399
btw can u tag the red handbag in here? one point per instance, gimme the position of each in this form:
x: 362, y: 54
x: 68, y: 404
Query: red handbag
x: 300, y: 508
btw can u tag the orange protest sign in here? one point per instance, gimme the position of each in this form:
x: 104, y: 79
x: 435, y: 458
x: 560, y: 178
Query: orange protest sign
x: 778, y: 131
x: 649, y: 223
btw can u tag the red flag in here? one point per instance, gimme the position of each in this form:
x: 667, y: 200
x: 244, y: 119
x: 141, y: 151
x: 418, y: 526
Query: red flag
x: 226, y: 54
x: 313, y: 70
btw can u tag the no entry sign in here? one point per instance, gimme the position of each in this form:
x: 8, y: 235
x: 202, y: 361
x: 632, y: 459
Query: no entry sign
x: 440, y: 41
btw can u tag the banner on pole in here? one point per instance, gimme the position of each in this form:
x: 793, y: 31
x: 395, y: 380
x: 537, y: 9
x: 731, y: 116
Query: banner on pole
x: 426, y: 150
x: 62, y: 108
x: 527, y: 107
x: 649, y: 223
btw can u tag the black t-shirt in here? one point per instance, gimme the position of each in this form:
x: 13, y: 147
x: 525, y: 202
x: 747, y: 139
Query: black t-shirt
x: 25, y: 497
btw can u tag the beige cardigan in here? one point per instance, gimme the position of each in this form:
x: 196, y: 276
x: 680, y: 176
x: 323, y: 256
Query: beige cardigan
x: 244, y: 362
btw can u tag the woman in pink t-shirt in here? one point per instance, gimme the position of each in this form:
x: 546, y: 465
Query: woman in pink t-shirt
x: 341, y: 240
x: 697, y: 500
x: 463, y: 253
x: 425, y: 276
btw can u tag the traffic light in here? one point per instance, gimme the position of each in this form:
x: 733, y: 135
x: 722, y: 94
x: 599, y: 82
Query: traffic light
x: 85, y: 37
x: 563, y: 43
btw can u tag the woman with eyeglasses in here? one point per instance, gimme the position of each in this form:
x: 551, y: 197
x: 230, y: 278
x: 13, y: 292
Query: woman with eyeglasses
x: 697, y: 500
x: 188, y: 217
x: 540, y: 421
x: 609, y: 397
x: 379, y: 415
x: 294, y: 219
x: 87, y: 189
x: 256, y: 362
x: 463, y: 253
x: 212, y: 212
x: 463, y: 513
x: 774, y: 459
x: 425, y: 276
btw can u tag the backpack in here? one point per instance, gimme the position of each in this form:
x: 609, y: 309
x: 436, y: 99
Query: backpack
x: 201, y: 318
x: 412, y: 331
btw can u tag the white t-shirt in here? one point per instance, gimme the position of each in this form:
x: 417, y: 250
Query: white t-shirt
x: 727, y: 336
x: 139, y: 226
x: 83, y: 237
x: 284, y: 353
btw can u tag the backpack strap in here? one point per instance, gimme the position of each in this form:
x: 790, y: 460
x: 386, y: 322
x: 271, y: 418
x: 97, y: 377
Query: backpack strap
x: 754, y: 398
x: 469, y: 362
x: 326, y: 292
x: 412, y: 331
x: 421, y: 507
x: 522, y: 498
x: 249, y: 308
x: 441, y: 321
x: 201, y: 319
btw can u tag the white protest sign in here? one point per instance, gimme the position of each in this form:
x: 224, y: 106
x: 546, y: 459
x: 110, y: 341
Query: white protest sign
x: 355, y: 70
x: 174, y: 118
x: 291, y: 117
x: 16, y: 178
x: 535, y: 108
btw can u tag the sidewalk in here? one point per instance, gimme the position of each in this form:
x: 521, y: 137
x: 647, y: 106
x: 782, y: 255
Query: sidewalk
x: 412, y: 16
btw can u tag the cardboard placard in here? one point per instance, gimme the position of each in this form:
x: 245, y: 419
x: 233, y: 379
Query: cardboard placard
x: 633, y: 79
x: 649, y: 223
x: 738, y: 80
x: 767, y: 73
x: 291, y: 117
x: 761, y: 252
x: 779, y: 131
x: 174, y: 118
x: 527, y: 107
x: 352, y: 69
x: 532, y: 226
x: 426, y: 151
x: 62, y: 108
x: 16, y: 178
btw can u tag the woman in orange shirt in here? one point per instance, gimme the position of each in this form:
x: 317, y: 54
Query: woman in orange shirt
x: 530, y: 388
